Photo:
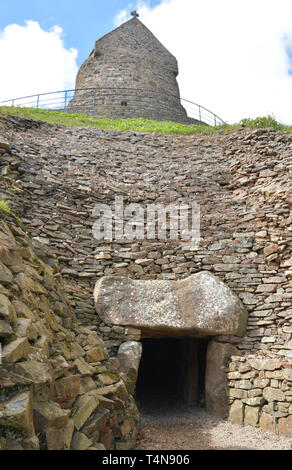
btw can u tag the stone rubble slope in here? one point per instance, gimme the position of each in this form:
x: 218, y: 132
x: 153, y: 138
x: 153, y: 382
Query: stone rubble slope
x: 59, y: 389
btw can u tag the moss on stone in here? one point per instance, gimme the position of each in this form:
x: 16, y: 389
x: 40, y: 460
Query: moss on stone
x: 131, y: 386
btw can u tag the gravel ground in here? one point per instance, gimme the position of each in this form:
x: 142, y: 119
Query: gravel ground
x: 166, y: 427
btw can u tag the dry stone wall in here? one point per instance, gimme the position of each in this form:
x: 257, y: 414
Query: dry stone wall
x: 242, y: 181
x: 260, y: 393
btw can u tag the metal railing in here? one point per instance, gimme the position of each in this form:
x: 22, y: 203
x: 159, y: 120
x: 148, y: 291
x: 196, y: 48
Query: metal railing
x: 61, y: 101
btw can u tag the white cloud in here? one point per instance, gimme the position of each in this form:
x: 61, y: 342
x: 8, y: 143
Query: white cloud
x: 121, y: 17
x: 232, y: 55
x: 34, y: 61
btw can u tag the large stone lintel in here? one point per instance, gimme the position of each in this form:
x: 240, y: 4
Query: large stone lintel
x: 200, y: 305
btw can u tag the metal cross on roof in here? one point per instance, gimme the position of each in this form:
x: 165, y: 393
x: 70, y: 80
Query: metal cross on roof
x: 135, y: 14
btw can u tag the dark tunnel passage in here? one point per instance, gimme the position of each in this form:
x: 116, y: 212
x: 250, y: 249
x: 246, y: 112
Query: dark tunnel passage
x: 171, y: 373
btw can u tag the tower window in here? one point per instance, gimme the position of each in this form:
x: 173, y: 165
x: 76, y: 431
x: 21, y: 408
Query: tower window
x: 124, y: 103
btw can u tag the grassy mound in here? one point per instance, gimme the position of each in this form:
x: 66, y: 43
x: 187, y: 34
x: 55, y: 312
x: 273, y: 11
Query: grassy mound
x: 138, y: 124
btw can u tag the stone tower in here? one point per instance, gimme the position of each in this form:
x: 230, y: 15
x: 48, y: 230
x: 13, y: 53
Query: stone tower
x: 133, y: 75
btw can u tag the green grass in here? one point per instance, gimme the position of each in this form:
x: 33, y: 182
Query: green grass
x: 4, y: 207
x: 140, y: 124
x: 5, y: 210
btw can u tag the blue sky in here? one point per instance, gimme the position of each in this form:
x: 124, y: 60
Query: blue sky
x: 234, y: 57
x: 82, y: 21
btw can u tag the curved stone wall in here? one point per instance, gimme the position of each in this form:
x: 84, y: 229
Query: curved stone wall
x: 53, y: 177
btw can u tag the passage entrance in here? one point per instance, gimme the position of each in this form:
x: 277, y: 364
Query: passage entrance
x: 171, y: 372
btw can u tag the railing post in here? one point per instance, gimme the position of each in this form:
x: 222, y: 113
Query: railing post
x: 38, y: 101
x: 200, y: 113
x: 215, y: 120
x: 65, y: 104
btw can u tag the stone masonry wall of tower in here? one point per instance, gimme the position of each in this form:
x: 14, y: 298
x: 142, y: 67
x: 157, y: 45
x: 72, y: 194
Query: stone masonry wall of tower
x: 135, y: 75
